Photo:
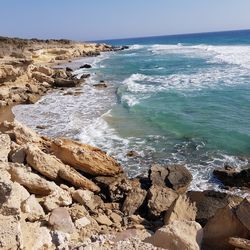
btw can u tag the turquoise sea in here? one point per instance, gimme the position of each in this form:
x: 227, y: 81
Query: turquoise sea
x: 172, y: 99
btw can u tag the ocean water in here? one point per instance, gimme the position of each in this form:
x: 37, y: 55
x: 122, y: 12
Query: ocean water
x: 173, y: 99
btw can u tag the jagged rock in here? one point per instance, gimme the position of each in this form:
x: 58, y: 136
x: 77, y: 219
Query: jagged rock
x: 82, y: 222
x: 229, y: 176
x: 185, y: 235
x: 76, y: 179
x: 209, y: 201
x: 86, y: 66
x: 11, y: 195
x: 60, y: 220
x: 5, y: 143
x: 84, y: 76
x: 181, y: 209
x: 178, y: 178
x: 40, y: 77
x: 45, y: 164
x: 160, y: 199
x: 10, y: 233
x: 35, y: 236
x: 158, y: 174
x: 240, y: 243
x: 102, y: 219
x: 32, y: 208
x: 57, y: 198
x: 243, y: 212
x: 59, y: 73
x: 60, y: 239
x: 66, y: 83
x: 44, y: 70
x: 116, y: 218
x: 17, y: 153
x: 221, y: 227
x: 85, y: 158
x: 114, y: 188
x: 86, y: 198
x: 100, y: 85
x: 134, y: 200
x: 77, y: 212
x: 33, y: 182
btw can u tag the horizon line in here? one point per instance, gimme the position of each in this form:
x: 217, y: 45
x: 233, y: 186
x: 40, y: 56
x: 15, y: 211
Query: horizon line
x: 168, y: 35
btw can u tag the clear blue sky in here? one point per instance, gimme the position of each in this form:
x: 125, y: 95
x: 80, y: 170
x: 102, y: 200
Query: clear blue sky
x: 101, y: 19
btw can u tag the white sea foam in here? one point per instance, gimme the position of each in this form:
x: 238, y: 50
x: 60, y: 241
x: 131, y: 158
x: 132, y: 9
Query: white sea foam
x: 234, y: 54
x: 136, y: 47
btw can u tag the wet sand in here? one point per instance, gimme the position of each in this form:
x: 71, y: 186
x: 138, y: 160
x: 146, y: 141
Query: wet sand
x: 6, y: 113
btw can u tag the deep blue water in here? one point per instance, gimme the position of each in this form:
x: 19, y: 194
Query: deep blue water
x: 172, y: 99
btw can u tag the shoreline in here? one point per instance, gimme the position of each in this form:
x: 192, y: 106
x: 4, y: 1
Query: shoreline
x: 65, y: 194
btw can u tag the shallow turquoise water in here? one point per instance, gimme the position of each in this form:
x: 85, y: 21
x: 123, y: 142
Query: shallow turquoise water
x: 179, y: 99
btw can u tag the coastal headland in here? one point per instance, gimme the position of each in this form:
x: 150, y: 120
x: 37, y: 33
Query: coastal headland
x: 57, y: 193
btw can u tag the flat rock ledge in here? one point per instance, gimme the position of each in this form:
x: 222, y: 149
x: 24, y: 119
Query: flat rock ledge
x: 61, y: 194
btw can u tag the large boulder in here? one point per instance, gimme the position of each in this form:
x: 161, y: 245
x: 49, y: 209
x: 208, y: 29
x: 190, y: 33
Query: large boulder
x: 232, y: 177
x: 86, y: 158
x: 4, y: 147
x: 60, y: 220
x: 33, y: 182
x: 184, y: 235
x: 221, y: 227
x: 176, y: 177
x: 160, y: 199
x: 134, y: 200
x: 32, y: 208
x: 66, y: 83
x: 243, y: 212
x: 76, y: 179
x: 114, y: 189
x: 181, y: 209
x: 209, y: 201
x: 45, y: 164
x: 240, y: 243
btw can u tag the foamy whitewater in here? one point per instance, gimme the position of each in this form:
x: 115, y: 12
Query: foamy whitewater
x: 174, y: 99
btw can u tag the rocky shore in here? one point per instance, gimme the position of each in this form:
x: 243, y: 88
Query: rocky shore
x: 56, y: 193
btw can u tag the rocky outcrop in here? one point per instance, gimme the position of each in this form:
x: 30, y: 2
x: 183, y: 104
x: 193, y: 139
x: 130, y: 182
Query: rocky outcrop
x: 243, y: 213
x: 160, y: 199
x: 86, y: 158
x: 231, y: 177
x: 221, y: 227
x: 239, y: 243
x: 181, y: 209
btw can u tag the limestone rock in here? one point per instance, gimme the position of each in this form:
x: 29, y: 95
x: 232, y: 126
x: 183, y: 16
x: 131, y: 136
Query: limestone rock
x: 66, y: 83
x: 45, y: 164
x: 86, y: 198
x: 114, y: 188
x: 35, y: 236
x: 209, y: 201
x: 178, y: 178
x: 44, y: 70
x: 76, y: 179
x: 240, y: 243
x: 32, y: 208
x: 102, y: 219
x: 82, y: 222
x: 181, y: 209
x: 160, y: 199
x: 116, y: 218
x: 60, y: 220
x: 4, y: 147
x: 17, y: 154
x: 243, y: 212
x: 33, y: 182
x: 158, y: 174
x: 134, y: 200
x: 57, y: 198
x: 184, y: 235
x: 86, y: 158
x: 10, y: 233
x: 221, y: 227
x: 77, y: 212
x: 40, y: 77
